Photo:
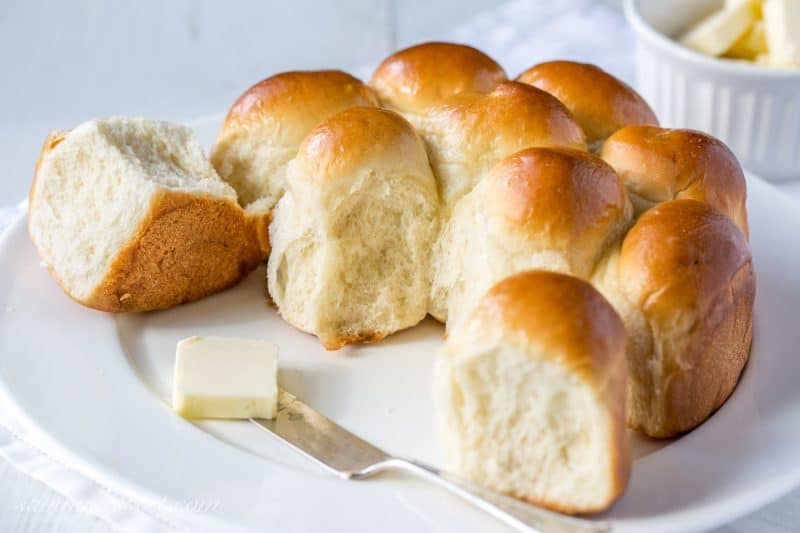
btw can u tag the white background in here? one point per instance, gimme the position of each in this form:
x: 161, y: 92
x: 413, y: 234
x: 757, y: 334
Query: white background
x: 64, y: 62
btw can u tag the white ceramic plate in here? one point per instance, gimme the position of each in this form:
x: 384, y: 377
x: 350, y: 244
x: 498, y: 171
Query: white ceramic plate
x: 98, y: 386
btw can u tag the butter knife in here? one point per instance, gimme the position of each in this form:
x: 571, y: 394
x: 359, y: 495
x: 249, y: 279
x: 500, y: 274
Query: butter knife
x: 350, y: 457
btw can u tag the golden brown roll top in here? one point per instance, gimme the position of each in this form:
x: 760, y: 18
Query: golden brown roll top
x: 268, y: 122
x: 687, y: 269
x: 299, y: 99
x: 413, y: 79
x: 565, y: 199
x: 566, y: 318
x: 360, y: 138
x: 530, y: 394
x: 471, y: 132
x: 659, y: 164
x: 601, y: 103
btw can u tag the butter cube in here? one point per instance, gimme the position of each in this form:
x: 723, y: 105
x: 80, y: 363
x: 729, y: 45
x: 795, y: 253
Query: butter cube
x: 782, y: 21
x: 750, y: 45
x: 754, y: 5
x: 715, y: 34
x: 219, y: 377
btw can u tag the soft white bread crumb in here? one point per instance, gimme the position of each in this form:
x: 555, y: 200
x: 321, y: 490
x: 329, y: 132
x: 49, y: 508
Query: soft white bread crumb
x: 352, y: 235
x: 530, y: 394
x: 101, y: 186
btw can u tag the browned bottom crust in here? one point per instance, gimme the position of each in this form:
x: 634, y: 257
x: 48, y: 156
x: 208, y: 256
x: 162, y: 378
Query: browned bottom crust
x: 188, y: 247
x: 260, y: 227
x: 360, y: 337
x: 559, y: 507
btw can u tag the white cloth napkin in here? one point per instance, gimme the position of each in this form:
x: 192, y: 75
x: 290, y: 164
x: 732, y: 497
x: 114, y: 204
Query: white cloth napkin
x: 28, y: 452
x: 11, y: 213
x: 518, y: 34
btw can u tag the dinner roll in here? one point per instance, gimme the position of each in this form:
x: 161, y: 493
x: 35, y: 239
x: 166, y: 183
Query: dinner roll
x: 411, y: 80
x: 266, y: 125
x: 551, y: 208
x: 684, y: 284
x: 601, y: 103
x: 469, y: 133
x: 660, y: 164
x: 352, y: 236
x: 529, y: 394
x: 128, y: 215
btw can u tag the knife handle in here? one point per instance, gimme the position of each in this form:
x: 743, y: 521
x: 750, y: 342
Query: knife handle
x: 520, y: 515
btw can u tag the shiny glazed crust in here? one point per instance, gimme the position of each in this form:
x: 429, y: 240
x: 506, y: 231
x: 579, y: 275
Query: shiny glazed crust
x: 688, y: 268
x: 569, y: 197
x: 299, y: 96
x: 415, y: 78
x: 601, y: 103
x: 659, y: 164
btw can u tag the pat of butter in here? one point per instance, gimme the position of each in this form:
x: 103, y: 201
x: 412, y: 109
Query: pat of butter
x: 754, y: 5
x: 715, y: 34
x: 751, y: 44
x: 219, y: 377
x: 782, y: 21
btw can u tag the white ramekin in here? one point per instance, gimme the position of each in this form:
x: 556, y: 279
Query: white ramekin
x: 754, y: 109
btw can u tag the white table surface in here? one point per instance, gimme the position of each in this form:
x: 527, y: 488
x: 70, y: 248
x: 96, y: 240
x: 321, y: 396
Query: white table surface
x: 178, y: 60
